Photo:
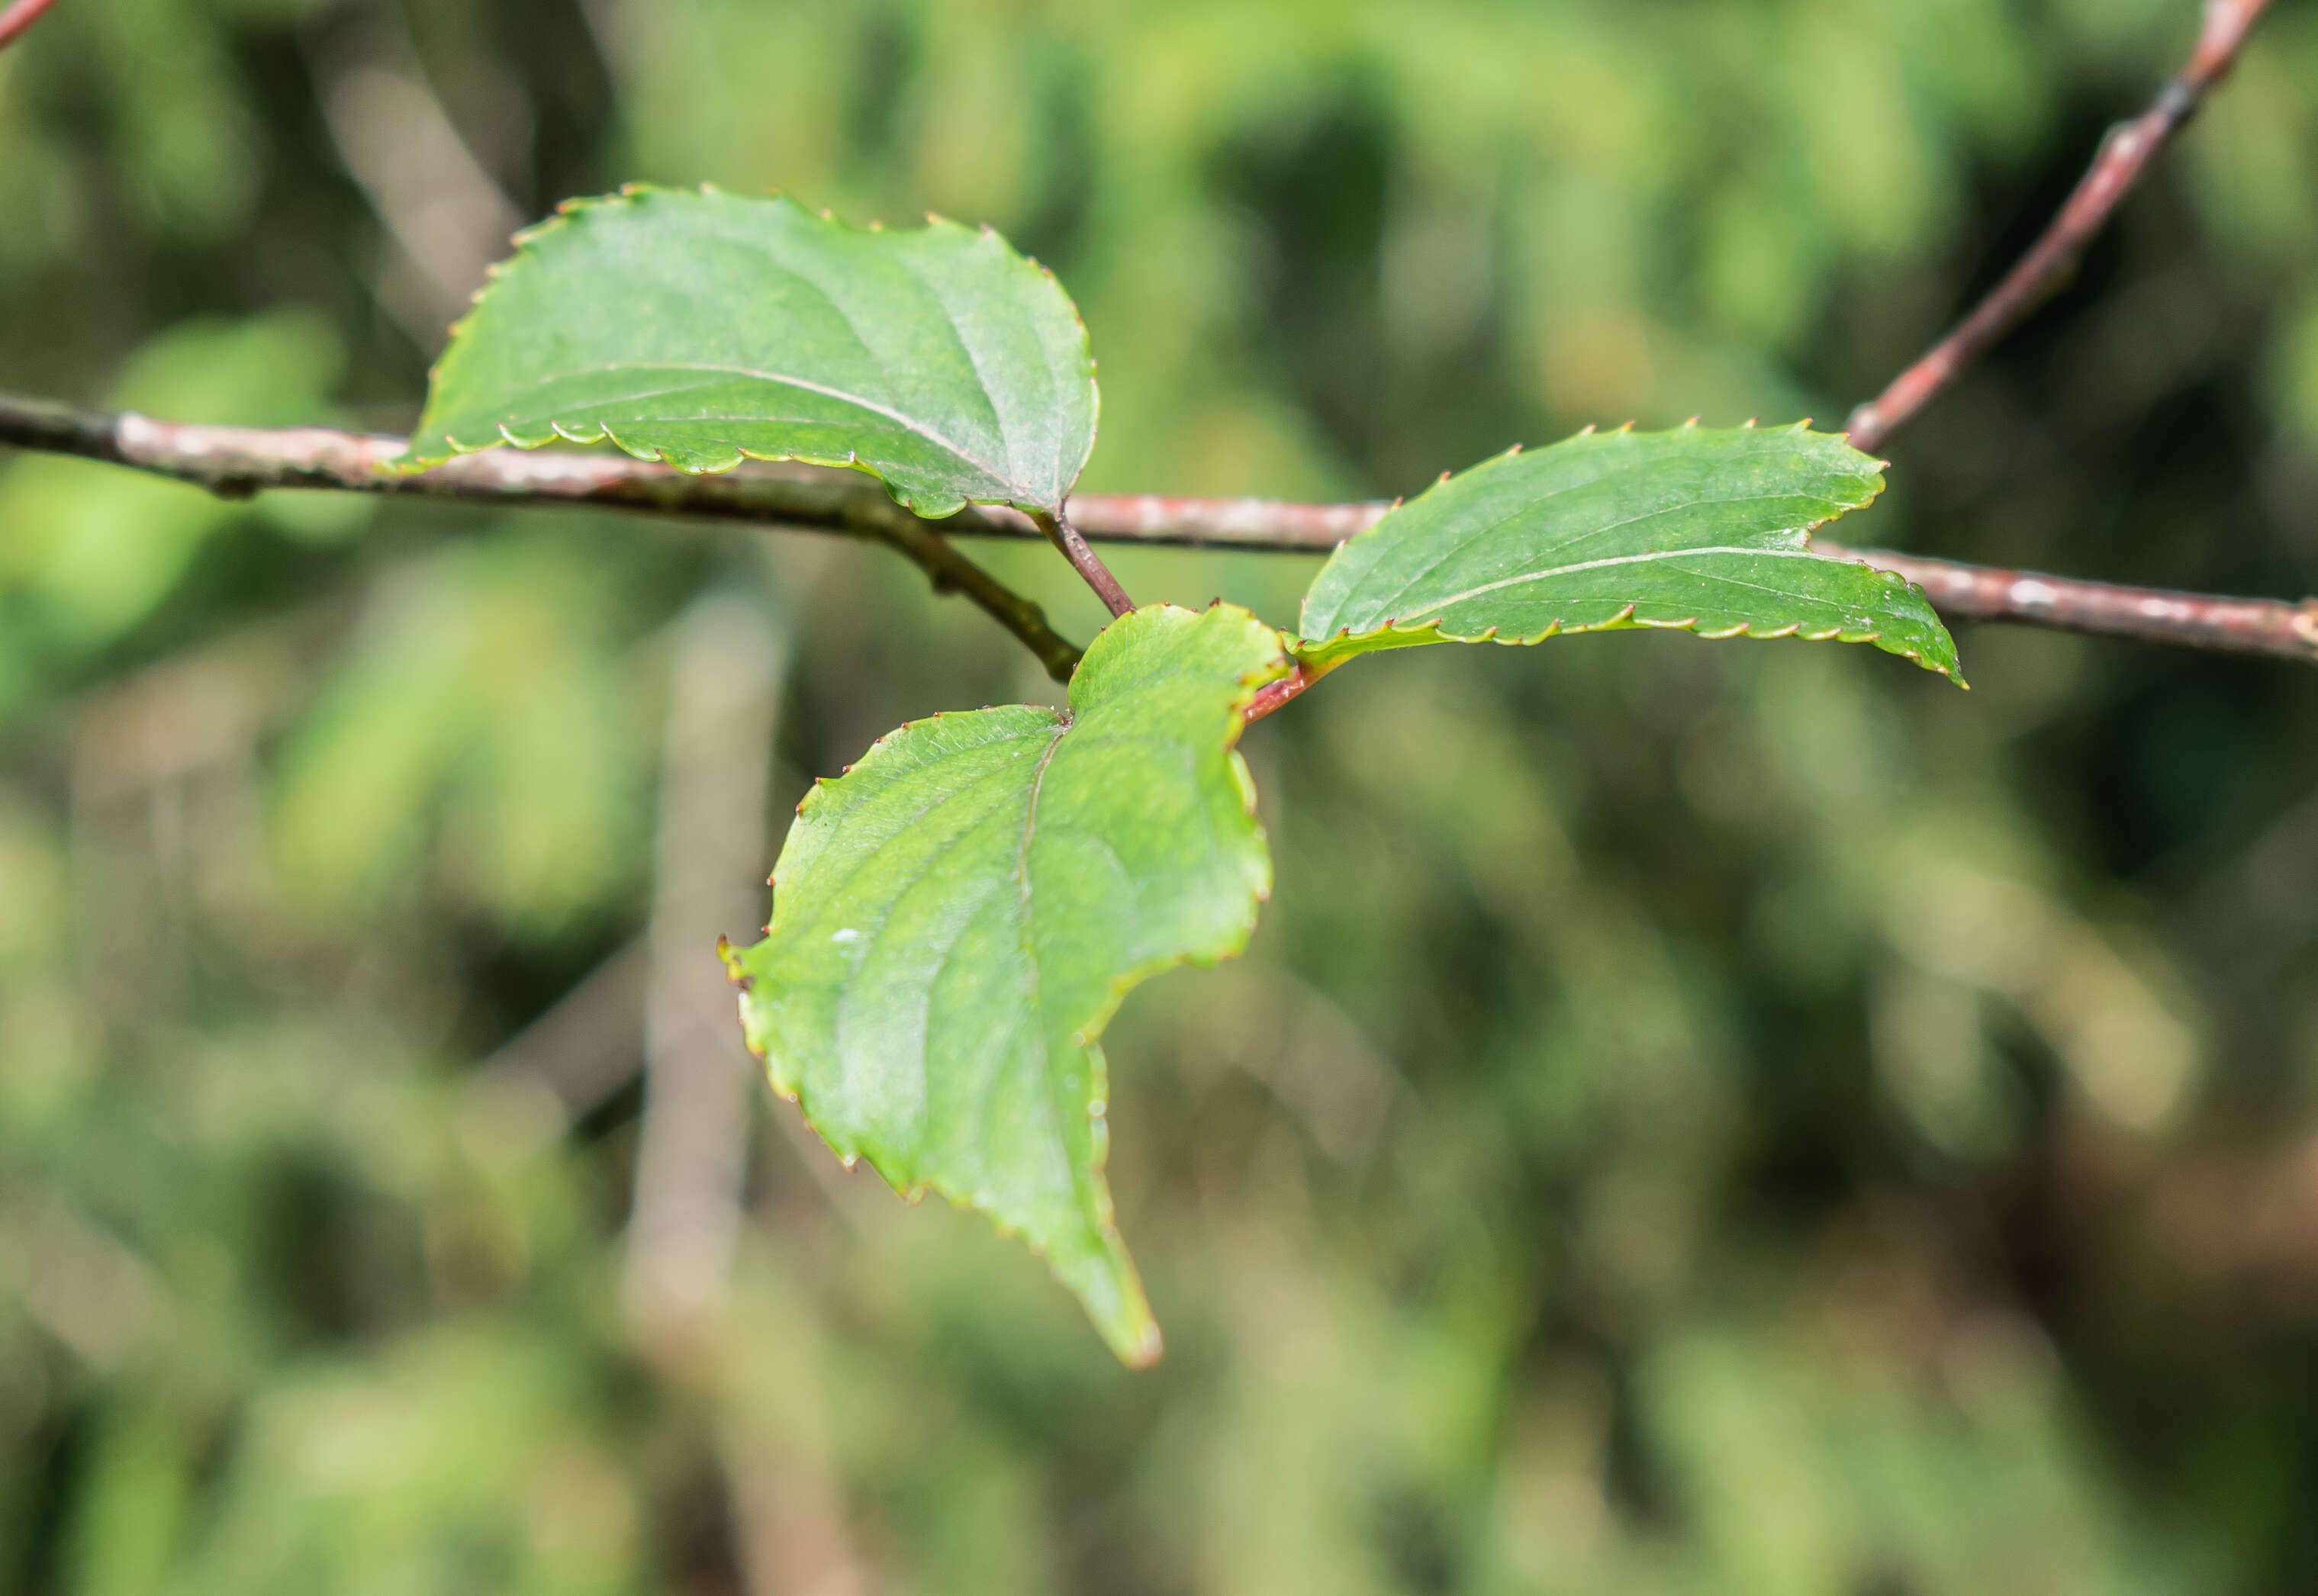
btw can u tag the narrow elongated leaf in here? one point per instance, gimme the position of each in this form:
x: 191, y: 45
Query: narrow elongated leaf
x: 702, y: 328
x: 1702, y: 530
x: 957, y: 918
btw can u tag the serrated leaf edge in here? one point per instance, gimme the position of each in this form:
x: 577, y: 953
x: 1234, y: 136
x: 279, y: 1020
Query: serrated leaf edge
x: 566, y: 213
x: 1149, y: 1345
x: 1325, y: 654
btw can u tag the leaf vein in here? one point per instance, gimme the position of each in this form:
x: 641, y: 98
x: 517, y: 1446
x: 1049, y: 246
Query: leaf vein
x: 828, y: 391
x: 1645, y: 559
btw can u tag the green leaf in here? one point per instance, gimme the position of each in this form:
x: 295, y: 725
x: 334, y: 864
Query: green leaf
x: 702, y: 328
x: 1699, y: 530
x: 957, y: 917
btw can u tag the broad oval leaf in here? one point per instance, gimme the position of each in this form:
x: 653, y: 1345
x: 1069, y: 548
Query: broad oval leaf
x: 1697, y: 529
x: 957, y: 918
x: 702, y: 327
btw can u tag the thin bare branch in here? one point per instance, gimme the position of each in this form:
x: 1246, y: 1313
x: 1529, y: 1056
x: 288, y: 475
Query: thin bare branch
x: 1268, y: 525
x: 952, y: 572
x: 19, y: 17
x: 2269, y: 627
x: 237, y: 462
x: 2125, y: 155
x: 234, y: 462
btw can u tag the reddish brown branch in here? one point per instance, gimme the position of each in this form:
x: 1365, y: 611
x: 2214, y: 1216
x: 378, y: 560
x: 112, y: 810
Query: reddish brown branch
x: 2123, y: 156
x: 234, y: 462
x: 19, y: 17
x: 237, y: 462
x: 1268, y: 523
x: 2267, y: 626
x: 1073, y: 545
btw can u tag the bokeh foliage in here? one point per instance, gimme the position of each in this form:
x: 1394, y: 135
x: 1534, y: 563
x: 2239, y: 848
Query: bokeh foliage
x: 1697, y: 1118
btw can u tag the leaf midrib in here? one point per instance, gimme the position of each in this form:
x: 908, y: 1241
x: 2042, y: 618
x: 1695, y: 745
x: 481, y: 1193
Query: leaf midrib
x: 926, y: 868
x: 957, y: 451
x: 1056, y: 1098
x: 1079, y: 1177
x: 1644, y: 558
x: 1400, y: 593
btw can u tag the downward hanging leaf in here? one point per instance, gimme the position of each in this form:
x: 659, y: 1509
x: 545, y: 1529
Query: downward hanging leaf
x: 1700, y: 530
x: 703, y: 328
x: 957, y: 918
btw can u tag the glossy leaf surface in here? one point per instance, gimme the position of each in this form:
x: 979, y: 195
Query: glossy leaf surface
x: 1696, y: 529
x: 702, y: 328
x: 957, y: 918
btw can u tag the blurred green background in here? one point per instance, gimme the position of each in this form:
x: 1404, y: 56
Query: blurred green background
x: 1699, y: 1117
